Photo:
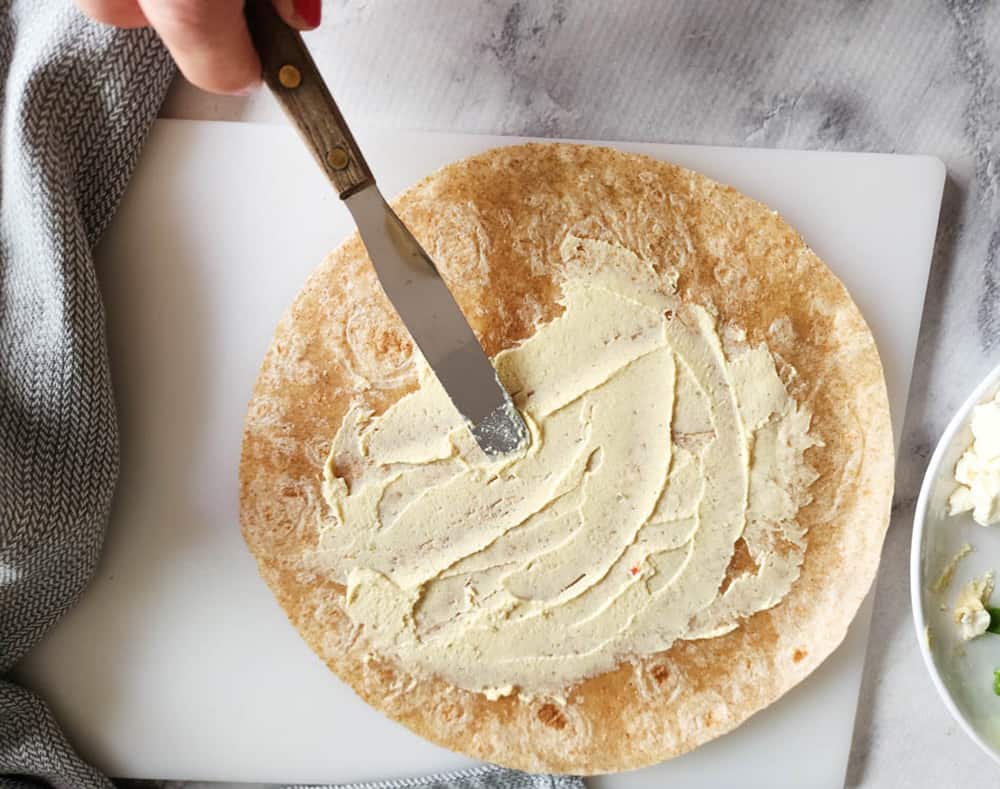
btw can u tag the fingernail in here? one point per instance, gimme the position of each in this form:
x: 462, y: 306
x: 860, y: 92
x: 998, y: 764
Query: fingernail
x: 309, y: 11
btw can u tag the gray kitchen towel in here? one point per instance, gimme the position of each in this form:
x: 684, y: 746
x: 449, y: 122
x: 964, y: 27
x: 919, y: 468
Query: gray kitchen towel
x: 485, y: 777
x: 76, y: 101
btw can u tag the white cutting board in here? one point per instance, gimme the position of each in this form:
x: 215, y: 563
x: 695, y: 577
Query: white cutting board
x: 177, y: 663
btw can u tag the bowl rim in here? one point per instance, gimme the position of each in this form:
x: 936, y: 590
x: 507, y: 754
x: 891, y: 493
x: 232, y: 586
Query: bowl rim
x: 958, y: 421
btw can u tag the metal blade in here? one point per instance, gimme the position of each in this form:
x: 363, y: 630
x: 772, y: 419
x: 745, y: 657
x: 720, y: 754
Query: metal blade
x: 437, y: 325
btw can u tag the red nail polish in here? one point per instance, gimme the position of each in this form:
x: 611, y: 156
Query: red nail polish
x: 309, y: 11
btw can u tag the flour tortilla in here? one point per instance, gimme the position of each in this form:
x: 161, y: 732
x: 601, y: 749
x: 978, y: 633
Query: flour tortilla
x: 493, y: 224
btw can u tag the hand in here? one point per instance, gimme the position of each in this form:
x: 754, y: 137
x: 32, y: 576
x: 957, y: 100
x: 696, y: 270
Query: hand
x: 208, y: 38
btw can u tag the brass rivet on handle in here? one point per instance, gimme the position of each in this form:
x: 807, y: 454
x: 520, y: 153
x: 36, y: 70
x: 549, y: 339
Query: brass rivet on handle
x: 337, y: 158
x: 289, y: 76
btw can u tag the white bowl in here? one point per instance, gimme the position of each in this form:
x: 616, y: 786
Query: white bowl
x: 962, y: 672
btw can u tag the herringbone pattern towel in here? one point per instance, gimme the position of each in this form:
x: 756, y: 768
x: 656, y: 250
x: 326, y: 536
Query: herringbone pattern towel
x: 77, y: 99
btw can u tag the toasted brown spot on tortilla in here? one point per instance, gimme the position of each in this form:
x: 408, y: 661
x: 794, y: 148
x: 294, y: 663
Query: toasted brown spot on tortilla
x: 550, y: 715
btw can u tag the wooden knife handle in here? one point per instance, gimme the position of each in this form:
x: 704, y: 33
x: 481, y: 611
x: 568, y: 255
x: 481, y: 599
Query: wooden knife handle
x: 292, y: 76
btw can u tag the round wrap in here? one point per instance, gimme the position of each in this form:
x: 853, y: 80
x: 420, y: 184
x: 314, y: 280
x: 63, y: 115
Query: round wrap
x: 494, y: 224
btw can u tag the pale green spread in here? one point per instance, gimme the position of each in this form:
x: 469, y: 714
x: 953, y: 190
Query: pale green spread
x: 656, y: 446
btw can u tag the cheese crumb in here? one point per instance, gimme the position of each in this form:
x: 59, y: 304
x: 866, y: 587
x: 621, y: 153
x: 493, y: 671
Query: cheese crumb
x: 978, y: 470
x: 970, y: 614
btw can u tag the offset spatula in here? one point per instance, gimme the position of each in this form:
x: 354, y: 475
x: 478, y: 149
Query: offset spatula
x: 408, y: 275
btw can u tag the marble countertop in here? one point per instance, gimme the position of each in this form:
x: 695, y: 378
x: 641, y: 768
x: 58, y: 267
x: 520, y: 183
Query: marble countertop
x: 907, y: 76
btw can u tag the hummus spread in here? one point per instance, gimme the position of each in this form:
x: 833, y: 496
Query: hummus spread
x: 657, y: 500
